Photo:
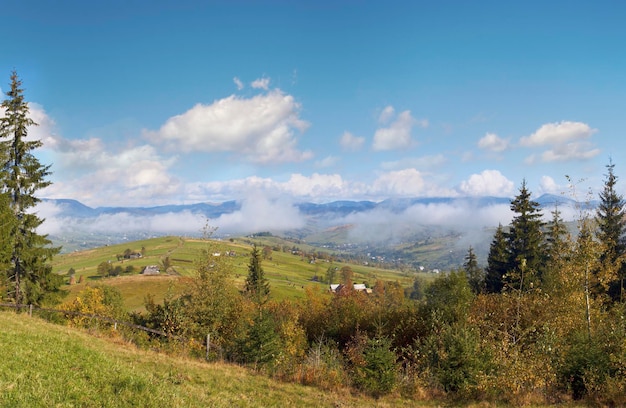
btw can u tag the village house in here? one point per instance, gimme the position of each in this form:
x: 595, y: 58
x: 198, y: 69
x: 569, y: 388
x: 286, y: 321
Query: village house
x: 151, y: 270
x: 359, y: 287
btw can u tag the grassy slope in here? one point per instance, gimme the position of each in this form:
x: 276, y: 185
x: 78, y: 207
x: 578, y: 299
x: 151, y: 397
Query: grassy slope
x: 288, y: 274
x: 46, y: 365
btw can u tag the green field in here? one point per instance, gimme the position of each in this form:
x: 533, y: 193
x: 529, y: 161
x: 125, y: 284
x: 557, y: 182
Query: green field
x: 46, y: 365
x: 287, y: 273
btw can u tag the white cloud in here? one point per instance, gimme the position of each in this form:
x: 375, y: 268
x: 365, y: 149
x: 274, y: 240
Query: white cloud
x: 46, y: 129
x: 325, y: 187
x: 256, y: 214
x: 261, y: 128
x: 351, y: 142
x: 385, y: 225
x: 487, y: 183
x: 386, y: 114
x: 548, y: 185
x: 406, y: 183
x: 558, y: 133
x: 570, y: 151
x: 260, y: 214
x: 261, y: 83
x: 493, y: 142
x: 184, y: 222
x: 91, y: 174
x: 86, y: 170
x: 316, y: 186
x: 398, y: 134
x: 238, y: 83
x: 567, y: 141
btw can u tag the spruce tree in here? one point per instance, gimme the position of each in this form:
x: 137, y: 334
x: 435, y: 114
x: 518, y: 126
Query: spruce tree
x: 497, y: 262
x: 557, y: 250
x: 611, y: 228
x: 257, y: 287
x: 474, y: 273
x: 525, y: 242
x: 22, y: 175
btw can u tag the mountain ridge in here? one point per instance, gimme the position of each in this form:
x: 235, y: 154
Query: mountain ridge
x: 74, y: 208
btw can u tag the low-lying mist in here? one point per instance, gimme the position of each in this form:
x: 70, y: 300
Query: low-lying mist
x: 380, y: 225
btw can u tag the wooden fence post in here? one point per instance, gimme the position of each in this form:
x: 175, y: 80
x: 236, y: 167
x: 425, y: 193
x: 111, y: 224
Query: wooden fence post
x: 208, y: 345
x: 30, y: 310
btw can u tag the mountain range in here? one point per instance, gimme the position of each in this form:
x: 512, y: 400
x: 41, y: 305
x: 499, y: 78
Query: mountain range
x: 392, y: 225
x: 76, y: 209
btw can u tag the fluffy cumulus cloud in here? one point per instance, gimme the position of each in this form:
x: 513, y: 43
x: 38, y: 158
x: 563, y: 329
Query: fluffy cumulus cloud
x: 397, y: 132
x: 317, y: 186
x: 94, y: 175
x: 487, y: 183
x: 548, y: 185
x: 493, y: 142
x: 351, y: 142
x: 565, y: 141
x: 406, y: 183
x: 262, y: 128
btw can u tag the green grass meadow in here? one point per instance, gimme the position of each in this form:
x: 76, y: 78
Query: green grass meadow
x: 287, y: 273
x: 47, y: 365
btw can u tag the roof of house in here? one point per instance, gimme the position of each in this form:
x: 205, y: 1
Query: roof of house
x: 151, y: 270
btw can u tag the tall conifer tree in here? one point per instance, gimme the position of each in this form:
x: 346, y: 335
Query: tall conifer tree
x: 475, y: 276
x: 525, y: 241
x: 557, y: 251
x: 257, y: 286
x: 22, y: 175
x: 497, y: 262
x: 611, y: 229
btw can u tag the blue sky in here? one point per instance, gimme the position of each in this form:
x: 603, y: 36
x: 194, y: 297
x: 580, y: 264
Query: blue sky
x: 162, y: 102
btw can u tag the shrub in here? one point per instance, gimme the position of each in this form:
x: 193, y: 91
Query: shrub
x: 259, y: 342
x: 374, y: 367
x: 324, y: 366
x: 456, y: 360
x: 584, y: 363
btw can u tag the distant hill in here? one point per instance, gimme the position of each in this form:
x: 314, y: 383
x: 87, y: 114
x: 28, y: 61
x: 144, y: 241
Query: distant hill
x: 75, y: 209
x: 423, y: 230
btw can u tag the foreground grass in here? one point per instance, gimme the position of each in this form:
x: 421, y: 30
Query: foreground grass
x: 45, y: 365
